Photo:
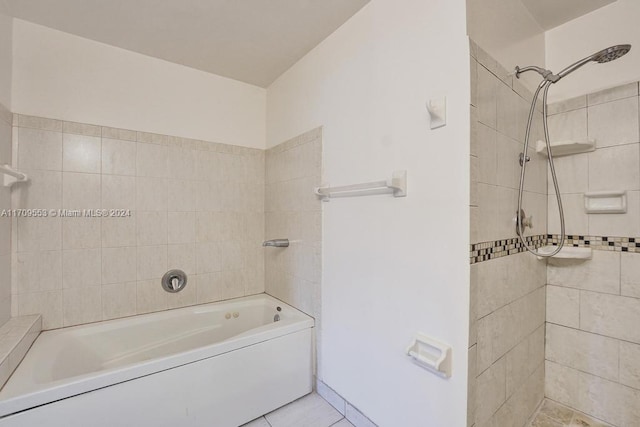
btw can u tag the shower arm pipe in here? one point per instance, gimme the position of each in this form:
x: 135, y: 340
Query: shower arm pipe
x: 544, y: 85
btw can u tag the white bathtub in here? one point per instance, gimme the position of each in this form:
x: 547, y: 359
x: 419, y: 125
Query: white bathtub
x: 220, y: 364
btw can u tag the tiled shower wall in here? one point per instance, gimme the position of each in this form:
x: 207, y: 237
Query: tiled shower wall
x: 506, y: 348
x: 195, y: 205
x: 593, y: 307
x: 5, y: 222
x: 293, y: 169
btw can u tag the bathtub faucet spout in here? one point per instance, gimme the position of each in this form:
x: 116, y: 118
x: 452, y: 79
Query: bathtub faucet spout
x: 277, y: 243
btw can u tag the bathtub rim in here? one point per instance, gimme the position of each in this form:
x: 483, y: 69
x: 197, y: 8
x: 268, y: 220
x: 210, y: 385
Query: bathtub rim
x: 66, y: 388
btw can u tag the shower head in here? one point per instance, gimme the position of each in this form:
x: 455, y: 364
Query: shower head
x: 605, y: 55
x: 611, y: 53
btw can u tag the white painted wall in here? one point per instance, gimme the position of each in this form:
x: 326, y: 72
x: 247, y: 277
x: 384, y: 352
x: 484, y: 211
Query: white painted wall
x: 508, y: 32
x: 6, y: 30
x: 62, y: 76
x: 616, y: 23
x: 391, y: 267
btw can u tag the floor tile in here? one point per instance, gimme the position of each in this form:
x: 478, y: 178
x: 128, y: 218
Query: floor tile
x: 343, y: 423
x: 309, y: 411
x: 580, y: 420
x: 556, y: 411
x: 544, y: 421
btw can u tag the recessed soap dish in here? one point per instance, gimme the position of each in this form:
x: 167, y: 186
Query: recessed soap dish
x: 606, y: 202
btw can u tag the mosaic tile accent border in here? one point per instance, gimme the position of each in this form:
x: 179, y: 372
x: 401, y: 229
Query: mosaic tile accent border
x: 486, y: 251
x: 599, y: 243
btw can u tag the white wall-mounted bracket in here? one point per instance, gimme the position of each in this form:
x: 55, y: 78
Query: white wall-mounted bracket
x: 437, y: 109
x: 11, y: 176
x: 431, y: 354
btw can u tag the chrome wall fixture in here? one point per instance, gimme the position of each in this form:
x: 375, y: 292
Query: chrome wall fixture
x: 605, y: 55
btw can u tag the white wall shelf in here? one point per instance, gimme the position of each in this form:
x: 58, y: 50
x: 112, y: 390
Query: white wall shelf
x: 565, y: 148
x: 566, y: 253
x: 431, y: 354
x: 397, y: 185
x: 606, y: 202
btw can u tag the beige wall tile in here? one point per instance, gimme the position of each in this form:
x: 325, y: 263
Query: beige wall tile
x: 601, y: 273
x: 39, y: 234
x: 517, y: 367
x: 472, y: 384
x: 151, y: 228
x: 119, y: 265
x: 81, y: 153
x: 152, y: 262
x: 39, y: 271
x: 118, y: 157
x: 615, y: 168
x: 182, y: 227
x: 182, y: 195
x: 81, y: 267
x: 626, y: 224
x: 48, y: 304
x: 181, y: 163
x: 487, y: 97
x: 81, y: 129
x: 39, y: 123
x: 567, y: 105
x: 563, y: 306
x: 607, y: 400
x: 119, y: 231
x: 630, y: 275
x: 82, y: 305
x: 614, y: 123
x: 569, y: 126
x: 612, y: 94
x: 151, y: 194
x: 81, y: 233
x: 39, y: 149
x: 105, y: 168
x: 487, y: 213
x: 561, y: 384
x: 572, y: 173
x: 118, y: 192
x: 151, y: 160
x: 630, y: 364
x: 182, y: 257
x: 576, y: 220
x: 491, y: 391
x: 610, y: 315
x: 150, y: 296
x: 118, y: 300
x: 80, y: 191
x: 583, y: 351
x: 122, y: 134
x: 43, y: 191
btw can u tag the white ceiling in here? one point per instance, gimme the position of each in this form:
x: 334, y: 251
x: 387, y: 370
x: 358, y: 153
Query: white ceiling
x: 552, y: 13
x: 248, y: 40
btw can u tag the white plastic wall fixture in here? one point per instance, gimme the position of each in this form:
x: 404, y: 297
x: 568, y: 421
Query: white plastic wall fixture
x: 11, y: 176
x: 606, y: 202
x: 431, y: 354
x: 437, y: 109
x: 565, y: 148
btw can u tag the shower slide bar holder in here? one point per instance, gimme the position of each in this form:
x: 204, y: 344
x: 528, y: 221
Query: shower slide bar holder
x: 12, y: 176
x: 397, y: 185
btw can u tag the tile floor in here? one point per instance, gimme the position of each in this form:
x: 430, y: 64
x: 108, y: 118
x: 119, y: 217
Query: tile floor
x: 308, y: 411
x: 552, y: 414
